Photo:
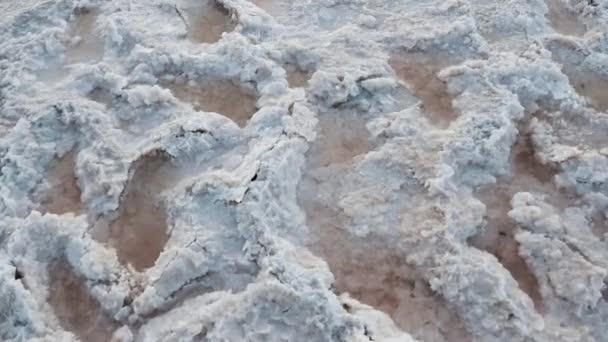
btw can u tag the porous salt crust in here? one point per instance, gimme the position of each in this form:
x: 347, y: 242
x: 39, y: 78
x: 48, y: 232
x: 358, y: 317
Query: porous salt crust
x: 274, y: 170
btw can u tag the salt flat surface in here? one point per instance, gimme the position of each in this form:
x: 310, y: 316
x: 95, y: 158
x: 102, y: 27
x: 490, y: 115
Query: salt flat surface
x: 273, y: 170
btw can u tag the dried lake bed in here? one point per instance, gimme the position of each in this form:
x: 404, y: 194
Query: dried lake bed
x: 273, y: 170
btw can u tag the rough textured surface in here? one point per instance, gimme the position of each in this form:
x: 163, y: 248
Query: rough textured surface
x: 273, y: 170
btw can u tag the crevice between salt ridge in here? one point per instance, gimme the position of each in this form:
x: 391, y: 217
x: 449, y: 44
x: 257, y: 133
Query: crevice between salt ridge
x: 365, y: 268
x: 220, y: 96
x: 140, y: 232
x: 77, y: 311
x: 64, y: 193
x: 419, y: 72
x: 205, y: 20
x: 85, y: 45
x: 564, y: 19
x: 498, y: 236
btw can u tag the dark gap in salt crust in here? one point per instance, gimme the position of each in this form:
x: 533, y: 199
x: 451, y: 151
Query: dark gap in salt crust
x: 272, y: 7
x: 564, y: 20
x: 581, y: 130
x: 220, y: 96
x: 201, y: 285
x: 64, y: 196
x: 82, y: 46
x: 589, y: 85
x: 498, y: 237
x: 419, y: 72
x: 205, y: 20
x: 102, y: 96
x: 85, y: 45
x: 375, y: 276
x: 297, y: 78
x: 4, y: 129
x: 75, y: 308
x: 341, y: 135
x: 599, y: 225
x: 139, y: 232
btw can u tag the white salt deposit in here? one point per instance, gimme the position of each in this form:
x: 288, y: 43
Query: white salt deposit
x: 272, y: 170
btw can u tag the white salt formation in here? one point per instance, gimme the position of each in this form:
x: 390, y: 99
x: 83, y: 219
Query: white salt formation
x: 274, y: 170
